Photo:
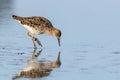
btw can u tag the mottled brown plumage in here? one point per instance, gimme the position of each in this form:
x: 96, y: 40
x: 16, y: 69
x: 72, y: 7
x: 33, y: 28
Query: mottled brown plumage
x: 38, y: 25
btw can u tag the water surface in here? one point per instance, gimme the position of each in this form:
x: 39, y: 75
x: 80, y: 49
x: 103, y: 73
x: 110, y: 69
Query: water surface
x: 90, y: 40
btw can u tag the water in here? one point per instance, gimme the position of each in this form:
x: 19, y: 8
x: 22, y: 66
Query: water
x: 90, y: 40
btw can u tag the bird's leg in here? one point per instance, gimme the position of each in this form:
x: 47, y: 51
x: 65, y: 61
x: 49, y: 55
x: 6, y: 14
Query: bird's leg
x: 39, y: 43
x: 33, y: 39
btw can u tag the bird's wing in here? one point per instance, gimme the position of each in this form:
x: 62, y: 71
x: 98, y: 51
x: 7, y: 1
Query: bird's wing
x: 39, y: 21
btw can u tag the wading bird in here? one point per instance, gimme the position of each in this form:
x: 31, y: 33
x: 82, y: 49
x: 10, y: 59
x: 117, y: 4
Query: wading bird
x: 38, y: 25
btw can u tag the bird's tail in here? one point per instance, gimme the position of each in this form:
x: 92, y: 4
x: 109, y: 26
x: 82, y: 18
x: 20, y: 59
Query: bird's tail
x: 17, y: 17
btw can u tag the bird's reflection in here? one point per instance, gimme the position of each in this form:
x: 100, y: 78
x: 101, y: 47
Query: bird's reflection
x: 38, y: 68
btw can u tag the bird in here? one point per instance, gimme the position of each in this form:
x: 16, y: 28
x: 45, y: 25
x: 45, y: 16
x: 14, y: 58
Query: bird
x: 37, y: 25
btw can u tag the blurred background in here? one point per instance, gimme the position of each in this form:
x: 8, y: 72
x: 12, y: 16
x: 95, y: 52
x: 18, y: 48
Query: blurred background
x: 90, y: 40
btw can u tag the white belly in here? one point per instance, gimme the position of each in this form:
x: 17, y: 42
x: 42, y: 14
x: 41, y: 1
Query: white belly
x: 32, y: 30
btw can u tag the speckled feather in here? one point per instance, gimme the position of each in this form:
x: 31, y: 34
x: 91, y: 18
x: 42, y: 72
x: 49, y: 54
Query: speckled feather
x: 40, y: 24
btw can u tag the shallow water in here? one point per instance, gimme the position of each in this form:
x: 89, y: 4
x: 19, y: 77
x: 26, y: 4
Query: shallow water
x: 90, y: 40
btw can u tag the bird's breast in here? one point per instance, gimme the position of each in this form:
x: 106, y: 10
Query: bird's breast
x: 33, y: 30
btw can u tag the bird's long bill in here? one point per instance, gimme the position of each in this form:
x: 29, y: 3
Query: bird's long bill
x: 58, y: 41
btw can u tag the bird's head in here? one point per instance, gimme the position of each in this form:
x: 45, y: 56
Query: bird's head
x: 57, y: 34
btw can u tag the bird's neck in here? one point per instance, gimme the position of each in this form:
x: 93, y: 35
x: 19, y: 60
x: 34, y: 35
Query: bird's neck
x: 49, y: 31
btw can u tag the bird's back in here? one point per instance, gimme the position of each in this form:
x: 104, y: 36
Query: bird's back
x: 33, y: 21
x: 35, y: 24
